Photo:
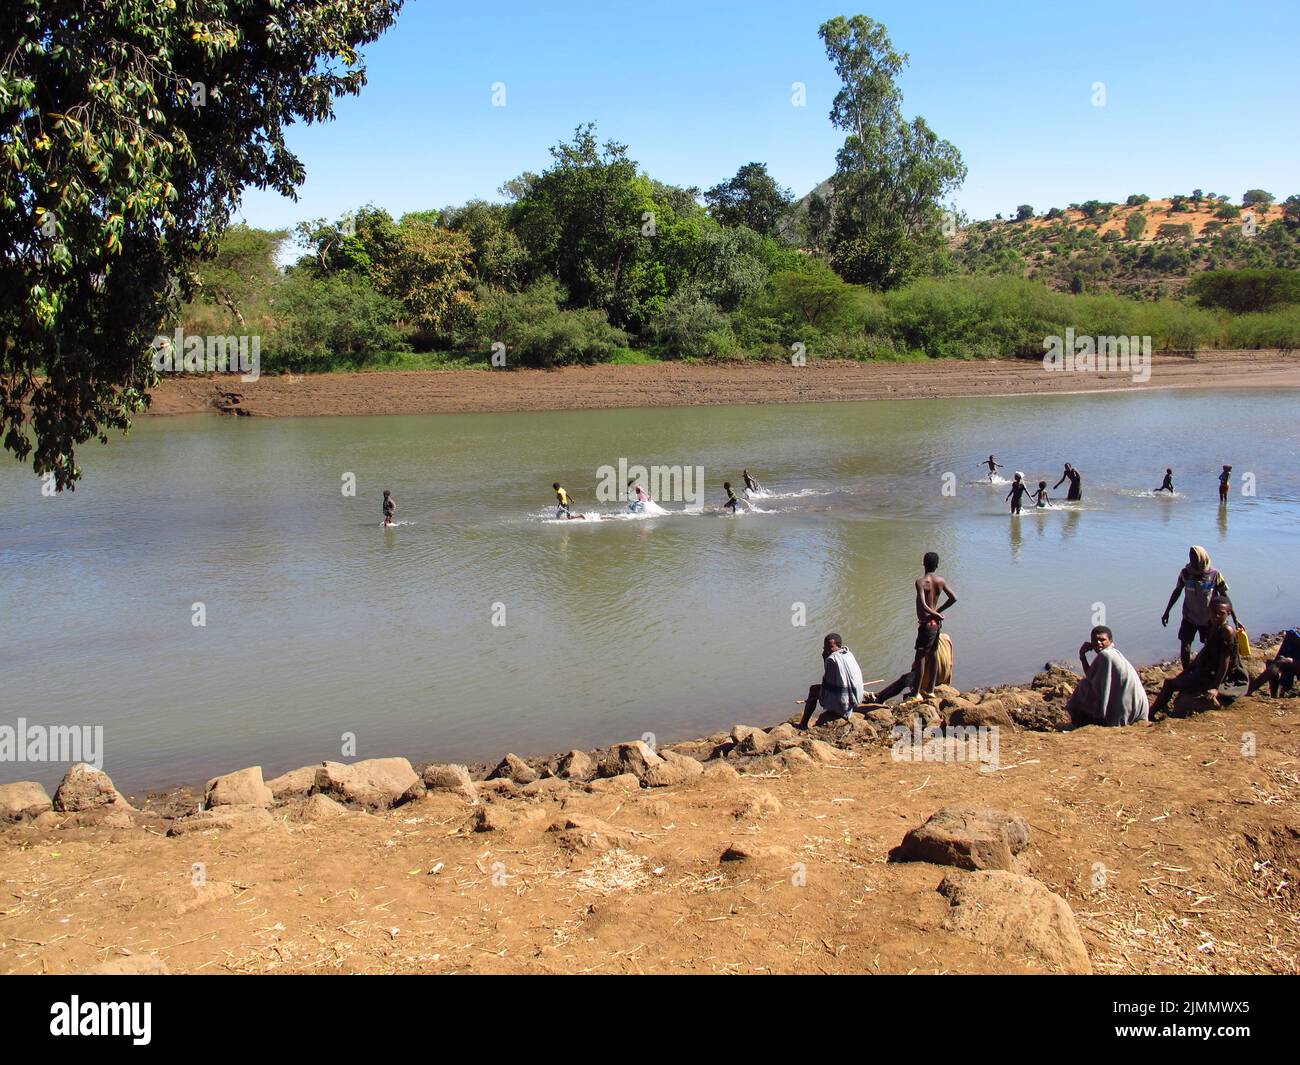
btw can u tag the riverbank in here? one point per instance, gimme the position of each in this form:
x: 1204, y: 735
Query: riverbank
x: 673, y: 384
x: 1166, y: 847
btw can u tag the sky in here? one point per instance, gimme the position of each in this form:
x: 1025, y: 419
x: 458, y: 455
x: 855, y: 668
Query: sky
x: 1195, y: 95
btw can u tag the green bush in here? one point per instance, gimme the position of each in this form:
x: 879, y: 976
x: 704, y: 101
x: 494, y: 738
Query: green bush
x: 537, y: 331
x: 1246, y: 291
x: 1274, y: 329
x: 325, y: 323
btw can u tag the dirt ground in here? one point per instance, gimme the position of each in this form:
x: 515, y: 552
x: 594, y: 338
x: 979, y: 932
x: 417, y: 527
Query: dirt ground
x: 679, y: 385
x: 1176, y: 847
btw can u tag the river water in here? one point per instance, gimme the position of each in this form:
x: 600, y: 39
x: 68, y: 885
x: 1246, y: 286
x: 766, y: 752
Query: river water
x: 481, y: 624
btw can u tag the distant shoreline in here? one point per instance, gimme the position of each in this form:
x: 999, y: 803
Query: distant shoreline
x: 673, y: 384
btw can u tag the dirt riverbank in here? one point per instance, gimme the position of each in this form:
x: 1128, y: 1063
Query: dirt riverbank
x: 679, y: 385
x: 1170, y: 847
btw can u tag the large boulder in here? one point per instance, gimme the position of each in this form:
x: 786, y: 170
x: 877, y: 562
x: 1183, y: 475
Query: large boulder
x: 968, y: 837
x: 751, y: 740
x: 320, y: 808
x: 673, y: 768
x: 987, y: 714
x: 243, y: 788
x: 576, y: 765
x: 376, y: 783
x: 1017, y: 918
x: 514, y: 768
x: 86, y: 788
x: 295, y: 784
x: 450, y: 777
x: 636, y: 758
x: 25, y: 798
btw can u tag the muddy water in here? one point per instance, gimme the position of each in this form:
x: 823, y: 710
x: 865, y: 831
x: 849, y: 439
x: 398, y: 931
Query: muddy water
x: 481, y: 624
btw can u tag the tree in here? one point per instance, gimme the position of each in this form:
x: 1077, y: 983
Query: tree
x: 752, y: 198
x: 127, y: 134
x: 1246, y: 291
x: 428, y: 272
x: 1135, y: 225
x: 581, y: 222
x: 1136, y: 200
x: 242, y: 270
x: 1257, y: 197
x: 498, y: 257
x: 1291, y: 212
x: 891, y: 174
x: 1024, y: 213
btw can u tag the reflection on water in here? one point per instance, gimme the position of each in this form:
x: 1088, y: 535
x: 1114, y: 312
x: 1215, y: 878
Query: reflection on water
x: 321, y: 622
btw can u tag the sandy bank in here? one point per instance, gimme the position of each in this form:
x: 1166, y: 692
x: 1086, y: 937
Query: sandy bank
x: 1166, y: 847
x: 677, y: 385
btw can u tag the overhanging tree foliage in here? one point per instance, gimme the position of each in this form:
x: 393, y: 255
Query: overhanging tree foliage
x: 128, y: 131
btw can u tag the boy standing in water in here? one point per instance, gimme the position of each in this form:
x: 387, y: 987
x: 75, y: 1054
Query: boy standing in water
x: 565, y: 503
x: 390, y: 508
x: 732, y: 501
x: 993, y: 466
x: 637, y: 505
x: 1224, y: 478
x: 1017, y: 493
x: 1167, y: 485
x: 750, y: 484
x: 1040, y: 497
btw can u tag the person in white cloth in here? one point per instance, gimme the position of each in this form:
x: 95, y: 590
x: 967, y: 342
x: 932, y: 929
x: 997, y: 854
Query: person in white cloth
x: 1111, y: 691
x: 840, y: 691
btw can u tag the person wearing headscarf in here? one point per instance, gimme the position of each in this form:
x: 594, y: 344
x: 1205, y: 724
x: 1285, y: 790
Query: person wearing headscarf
x: 1198, y: 583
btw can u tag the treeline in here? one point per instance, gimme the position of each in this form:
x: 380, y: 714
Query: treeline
x: 593, y: 260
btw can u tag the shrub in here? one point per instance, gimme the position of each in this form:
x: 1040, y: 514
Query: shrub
x: 1246, y: 291
x: 1135, y: 225
x: 538, y: 332
x: 1136, y: 200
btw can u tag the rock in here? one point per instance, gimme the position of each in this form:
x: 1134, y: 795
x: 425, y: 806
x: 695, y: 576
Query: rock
x: 968, y: 837
x: 576, y: 765
x: 319, y: 808
x: 750, y: 851
x: 376, y: 783
x: 491, y: 818
x: 795, y: 758
x: 199, y: 895
x: 720, y: 771
x: 584, y: 832
x: 783, y: 731
x: 86, y: 788
x: 758, y: 806
x: 674, y: 769
x: 1017, y: 918
x: 821, y: 751
x: 986, y: 714
x: 636, y: 758
x: 751, y: 740
x: 135, y: 965
x: 244, y: 788
x: 547, y: 786
x: 244, y: 818
x: 295, y: 784
x: 514, y: 768
x: 622, y: 782
x: 116, y: 817
x: 450, y: 777
x: 25, y: 798
x: 499, y: 786
x: 882, y: 716
x: 946, y: 691
x: 49, y: 819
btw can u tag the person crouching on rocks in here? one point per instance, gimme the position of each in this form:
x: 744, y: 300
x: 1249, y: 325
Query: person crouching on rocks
x: 840, y: 690
x: 1111, y: 691
x: 1209, y: 669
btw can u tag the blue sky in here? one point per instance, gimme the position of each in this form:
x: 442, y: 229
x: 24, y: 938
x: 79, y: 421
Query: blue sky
x: 1196, y: 95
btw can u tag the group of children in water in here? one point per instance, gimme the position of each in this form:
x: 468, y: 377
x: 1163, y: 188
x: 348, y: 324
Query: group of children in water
x: 1016, y: 496
x: 640, y: 497
x: 1040, y: 499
